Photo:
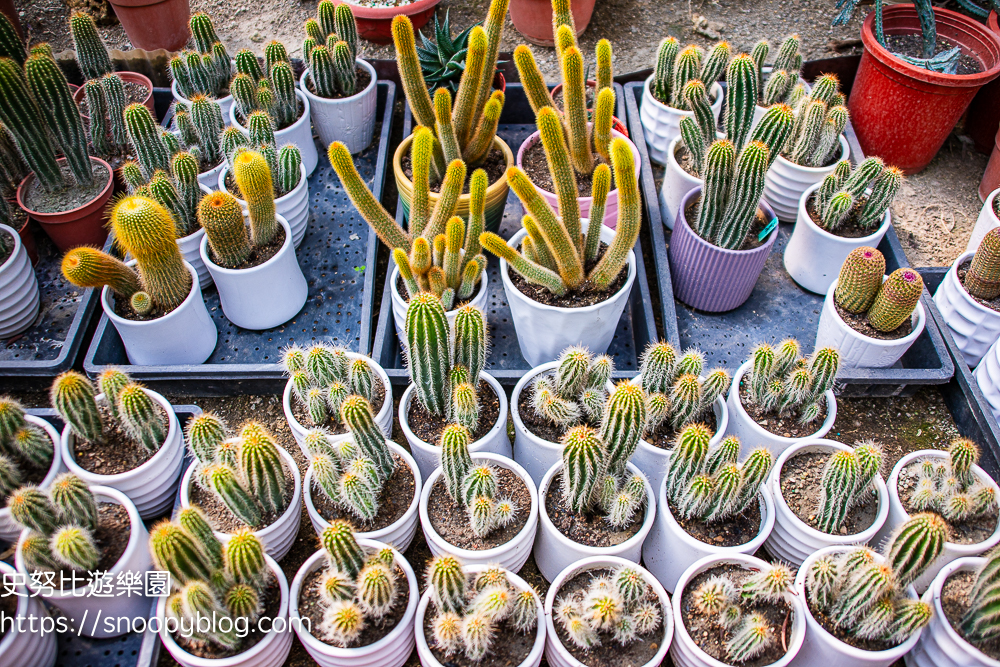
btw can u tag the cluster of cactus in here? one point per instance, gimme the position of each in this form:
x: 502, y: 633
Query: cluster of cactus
x: 270, y: 88
x: 60, y: 524
x: 861, y: 195
x: 860, y: 289
x: 245, y: 472
x: 206, y: 70
x: 285, y: 163
x: 21, y: 444
x: 784, y: 84
x: 866, y: 599
x: 147, y: 231
x: 980, y: 625
x: 736, y: 606
x: 103, y: 90
x: 576, y: 391
x: 675, y: 391
x: 820, y: 119
x: 675, y: 69
x: 323, y: 376
x: 780, y: 381
x: 330, y: 49
x: 982, y: 280
x: 848, y: 481
x: 176, y: 190
x: 710, y: 484
x: 211, y: 580
x: 472, y: 485
x: 469, y: 609
x: 950, y: 488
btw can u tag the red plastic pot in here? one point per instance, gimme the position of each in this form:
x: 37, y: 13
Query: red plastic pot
x: 375, y: 23
x: 533, y: 19
x: 133, y: 77
x: 991, y: 177
x: 903, y: 113
x: 154, y: 24
x: 83, y: 225
x: 983, y: 119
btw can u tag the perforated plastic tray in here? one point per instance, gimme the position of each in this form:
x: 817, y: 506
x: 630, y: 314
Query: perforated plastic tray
x: 635, y: 329
x: 337, y: 257
x: 778, y: 308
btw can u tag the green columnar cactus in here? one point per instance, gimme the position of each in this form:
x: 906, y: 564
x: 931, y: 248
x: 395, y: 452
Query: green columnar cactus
x: 20, y: 115
x: 357, y: 414
x: 207, y: 118
x: 744, y: 195
x: 915, y: 546
x: 687, y: 460
x: 883, y: 192
x: 144, y: 229
x: 261, y: 467
x: 144, y: 137
x: 622, y: 425
x: 74, y: 547
x: 720, y: 162
x: 427, y: 342
x: 32, y: 509
x: 741, y: 78
x: 837, y: 489
x: 983, y: 277
x: 204, y: 435
x: 88, y: 267
x: 141, y: 418
x: 663, y: 72
x: 97, y: 106
x: 896, y: 299
x: 73, y: 398
x: 254, y: 180
x: 11, y: 44
x: 243, y: 88
x: 221, y: 479
x: 584, y: 462
x: 860, y: 280
x: 447, y: 582
x: 90, y: 50
x: 342, y: 549
x: 50, y: 89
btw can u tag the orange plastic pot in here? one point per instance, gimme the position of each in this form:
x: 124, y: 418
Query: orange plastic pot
x: 375, y: 23
x: 133, y: 77
x: 983, y: 119
x: 533, y: 19
x: 154, y: 24
x: 903, y: 113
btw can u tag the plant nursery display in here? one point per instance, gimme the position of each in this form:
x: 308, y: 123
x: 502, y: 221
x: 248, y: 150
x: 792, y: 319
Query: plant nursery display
x: 28, y: 456
x: 966, y: 299
x: 205, y: 71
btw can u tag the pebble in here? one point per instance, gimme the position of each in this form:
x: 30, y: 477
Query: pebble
x: 257, y: 37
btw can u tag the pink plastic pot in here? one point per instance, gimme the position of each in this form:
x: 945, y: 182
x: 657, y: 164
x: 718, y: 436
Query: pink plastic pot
x: 375, y: 23
x: 133, y: 77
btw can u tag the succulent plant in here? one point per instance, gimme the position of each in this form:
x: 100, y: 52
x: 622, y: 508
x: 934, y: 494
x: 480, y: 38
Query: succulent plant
x: 473, y: 486
x: 675, y: 68
x: 90, y: 50
x: 675, y: 389
x: 815, y: 137
x: 11, y: 44
x: 979, y: 624
x: 206, y: 71
x: 331, y: 52
x: 861, y: 196
x: 982, y: 280
x: 781, y: 382
x: 576, y: 391
x: 329, y: 371
x: 860, y: 279
x: 442, y: 60
x: 951, y: 489
x: 22, y: 446
x: 846, y: 483
x: 271, y: 89
x: 611, y: 608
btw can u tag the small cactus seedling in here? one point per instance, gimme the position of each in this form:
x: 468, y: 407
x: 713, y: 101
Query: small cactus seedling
x: 206, y: 71
x: 780, y: 382
x: 860, y: 197
x: 847, y: 482
x: 982, y: 280
x: 677, y: 392
x: 952, y: 488
x: 23, y: 446
x: 576, y: 392
x: 619, y: 607
x: 472, y: 485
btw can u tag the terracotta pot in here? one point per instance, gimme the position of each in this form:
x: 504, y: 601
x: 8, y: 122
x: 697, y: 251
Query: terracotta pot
x: 533, y: 19
x: 133, y: 77
x: 983, y: 119
x: 375, y: 23
x: 888, y: 92
x: 991, y: 177
x: 83, y: 225
x: 154, y: 24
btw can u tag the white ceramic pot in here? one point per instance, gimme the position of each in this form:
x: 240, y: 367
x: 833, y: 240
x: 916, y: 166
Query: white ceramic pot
x: 19, y: 298
x: 26, y: 648
x: 9, y: 529
x: 973, y: 326
x: 986, y: 221
x: 390, y: 651
x: 271, y: 651
x: 753, y: 435
x: 786, y: 181
x: 557, y: 655
x: 280, y: 535
x: 822, y: 648
x: 265, y: 295
x: 856, y: 349
x: 534, y: 454
x: 293, y: 206
x: 554, y: 552
x: 511, y: 555
x: 383, y: 418
x: 185, y: 335
x: 153, y: 485
x: 661, y: 123
x: 400, y: 533
x: 987, y: 376
x: 225, y: 103
x: 939, y: 645
x: 298, y: 133
x: 898, y: 516
x: 543, y: 332
x: 686, y: 653
x: 813, y: 256
x: 424, y: 652
x: 350, y: 120
x: 399, y: 304
x: 190, y: 247
x: 676, y: 184
x: 97, y: 616
x: 792, y: 539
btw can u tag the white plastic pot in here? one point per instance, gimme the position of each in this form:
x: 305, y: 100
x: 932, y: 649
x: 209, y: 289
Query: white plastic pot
x: 298, y: 133
x: 153, y: 485
x: 986, y: 221
x: 185, y: 335
x: 557, y: 655
x: 390, y: 651
x: 554, y: 552
x: 661, y: 123
x: 263, y: 296
x: 9, y: 529
x: 786, y: 181
x: 293, y: 206
x: 280, y: 535
x: 987, y: 376
x: 973, y: 326
x: 80, y: 605
x: 400, y: 533
x: 753, y: 435
x: 856, y: 349
x: 534, y: 454
x: 813, y: 256
x: 424, y: 652
x: 350, y: 120
x: 792, y: 539
x: 225, y: 103
x: 898, y: 516
x: 822, y: 648
x: 686, y: 653
x: 543, y: 331
x: 26, y: 648
x: 190, y: 247
x: 511, y: 555
x: 399, y: 304
x: 676, y: 184
x: 271, y: 651
x: 19, y: 298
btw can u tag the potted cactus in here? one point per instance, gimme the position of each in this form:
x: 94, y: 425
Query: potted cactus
x: 448, y: 383
x: 593, y: 501
x: 354, y: 602
x: 243, y: 482
x: 34, y: 649
x: 71, y: 532
x: 966, y: 298
x: 872, y: 318
x: 950, y: 485
x: 733, y: 609
x: 778, y: 398
x: 466, y: 129
x: 18, y: 284
x: 29, y: 454
x: 826, y: 494
x: 206, y: 71
x: 480, y: 612
x: 212, y: 583
x: 483, y: 509
x: 780, y: 83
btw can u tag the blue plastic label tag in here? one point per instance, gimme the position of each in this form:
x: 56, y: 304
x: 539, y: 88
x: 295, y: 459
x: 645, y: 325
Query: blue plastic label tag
x: 767, y: 230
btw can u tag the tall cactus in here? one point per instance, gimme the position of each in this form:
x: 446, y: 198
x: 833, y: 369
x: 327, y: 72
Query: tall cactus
x: 255, y: 182
x: 427, y: 337
x: 50, y: 89
x: 144, y: 137
x: 20, y: 116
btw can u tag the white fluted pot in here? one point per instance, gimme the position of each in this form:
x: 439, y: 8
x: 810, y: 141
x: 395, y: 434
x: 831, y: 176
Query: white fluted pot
x: 298, y: 133
x: 536, y: 455
x: 661, y: 123
x: 19, y: 297
x: 973, y: 326
x: 9, y: 529
x: 190, y: 247
x: 399, y: 304
x: 292, y: 206
x: 987, y: 376
x: 986, y: 221
x: 786, y: 181
x: 26, y: 648
x: 350, y: 120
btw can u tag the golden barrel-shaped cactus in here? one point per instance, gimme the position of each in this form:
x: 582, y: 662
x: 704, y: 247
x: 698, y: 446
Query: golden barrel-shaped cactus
x: 254, y: 179
x: 222, y: 219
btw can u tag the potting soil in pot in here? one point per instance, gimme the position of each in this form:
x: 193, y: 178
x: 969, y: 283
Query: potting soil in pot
x: 451, y: 520
x: 963, y: 268
x: 258, y: 254
x: 585, y: 295
x: 111, y: 539
x: 332, y: 425
x: 403, y: 292
x: 955, y: 602
x: 393, y: 501
x: 69, y: 197
x: 730, y: 532
x: 859, y: 322
x: 665, y: 434
x: 787, y: 426
x: 117, y: 452
x: 538, y: 425
x: 913, y: 47
x: 219, y: 515
x: 123, y: 308
x: 495, y: 166
x: 362, y: 77
x: 591, y: 530
x: 511, y: 647
x: 801, y: 485
x: 752, y: 240
x: 271, y: 604
x: 428, y: 426
x: 536, y: 166
x: 849, y: 229
x: 973, y: 530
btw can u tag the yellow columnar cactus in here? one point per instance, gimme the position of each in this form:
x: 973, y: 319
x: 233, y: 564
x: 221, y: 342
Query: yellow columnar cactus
x: 468, y: 87
x: 477, y: 149
x: 532, y: 79
x: 445, y: 128
x: 89, y: 267
x: 603, y: 115
x: 551, y: 131
x: 420, y: 158
x: 254, y: 179
x: 629, y: 217
x: 221, y: 217
x: 409, y: 71
x: 575, y: 110
x: 603, y: 52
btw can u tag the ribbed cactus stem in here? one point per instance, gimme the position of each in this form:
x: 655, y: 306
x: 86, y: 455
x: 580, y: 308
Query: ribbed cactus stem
x: 144, y: 137
x: 744, y: 196
x: 629, y: 217
x: 98, y: 109
x: 741, y: 78
x: 663, y: 72
x: 915, y: 546
x: 860, y: 279
x: 983, y: 277
x: 89, y: 267
x: 141, y: 418
x: 896, y: 300
x: 584, y: 461
x: 720, y: 161
x: 19, y: 114
x: 90, y: 50
x: 73, y: 398
x: 429, y: 356
x: 145, y: 229
x: 575, y: 111
x: 254, y: 180
x: 50, y: 89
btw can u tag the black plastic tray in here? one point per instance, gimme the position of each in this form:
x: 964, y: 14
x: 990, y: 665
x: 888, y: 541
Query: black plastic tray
x: 635, y: 329
x: 778, y: 308
x: 337, y: 257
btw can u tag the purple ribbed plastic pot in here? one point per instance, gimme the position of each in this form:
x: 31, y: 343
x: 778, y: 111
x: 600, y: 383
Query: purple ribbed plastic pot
x: 708, y: 277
